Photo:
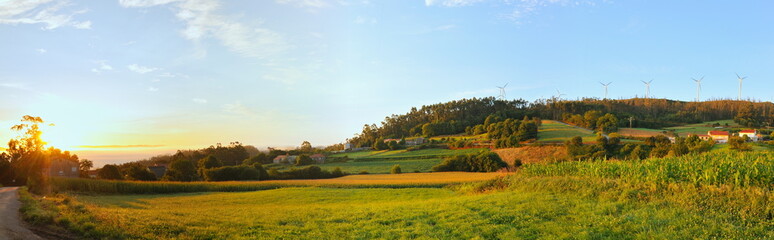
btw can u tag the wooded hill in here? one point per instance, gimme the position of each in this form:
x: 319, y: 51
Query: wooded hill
x: 455, y: 116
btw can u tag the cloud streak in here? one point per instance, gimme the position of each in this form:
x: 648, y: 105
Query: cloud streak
x: 202, y: 22
x: 45, y: 12
x: 119, y: 146
x: 141, y: 69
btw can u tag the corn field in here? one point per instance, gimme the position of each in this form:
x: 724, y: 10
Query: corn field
x: 715, y: 168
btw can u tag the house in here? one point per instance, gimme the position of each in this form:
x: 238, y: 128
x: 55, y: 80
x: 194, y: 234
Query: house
x: 318, y: 158
x: 719, y: 136
x: 348, y: 146
x: 752, y: 134
x: 92, y: 173
x: 415, y: 141
x: 704, y: 137
x: 391, y: 140
x: 285, y: 159
x: 159, y: 170
x: 62, y: 168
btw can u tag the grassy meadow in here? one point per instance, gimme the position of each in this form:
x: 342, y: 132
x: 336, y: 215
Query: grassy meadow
x: 555, y: 132
x: 713, y: 195
x: 371, y: 155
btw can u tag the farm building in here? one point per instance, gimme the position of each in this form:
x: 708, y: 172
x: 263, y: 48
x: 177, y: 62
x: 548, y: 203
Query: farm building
x: 752, y: 134
x: 62, y: 168
x: 286, y: 159
x: 415, y: 141
x: 348, y: 146
x: 318, y: 158
x: 392, y: 139
x: 158, y: 170
x: 719, y: 136
x: 704, y: 137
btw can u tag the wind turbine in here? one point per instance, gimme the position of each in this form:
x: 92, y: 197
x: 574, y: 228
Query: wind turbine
x: 647, y: 87
x: 502, y: 91
x: 740, y: 86
x: 559, y: 94
x: 698, y: 88
x: 605, y: 88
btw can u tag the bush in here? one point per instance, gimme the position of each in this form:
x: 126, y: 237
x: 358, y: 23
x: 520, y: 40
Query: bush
x: 482, y: 162
x: 109, y: 172
x: 236, y: 173
x: 395, y: 169
x: 311, y: 172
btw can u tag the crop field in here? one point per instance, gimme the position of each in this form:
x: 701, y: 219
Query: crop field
x: 404, y: 154
x: 713, y: 195
x: 556, y: 132
x: 404, y: 180
x: 640, y: 132
x: 533, y: 154
x: 702, y: 128
x: 407, y: 166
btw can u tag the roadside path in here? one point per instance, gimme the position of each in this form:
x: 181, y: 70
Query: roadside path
x: 10, y: 222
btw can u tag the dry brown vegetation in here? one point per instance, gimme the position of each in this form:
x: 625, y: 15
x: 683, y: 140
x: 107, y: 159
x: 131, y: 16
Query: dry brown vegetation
x: 533, y: 154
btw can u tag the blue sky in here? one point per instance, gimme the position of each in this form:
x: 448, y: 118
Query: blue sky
x: 132, y: 78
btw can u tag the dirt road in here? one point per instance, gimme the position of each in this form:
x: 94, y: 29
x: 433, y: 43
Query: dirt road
x: 10, y: 221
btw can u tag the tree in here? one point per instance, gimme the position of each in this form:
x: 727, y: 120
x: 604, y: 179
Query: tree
x: 138, y: 172
x: 395, y: 169
x: 26, y: 153
x: 379, y: 144
x: 181, y: 170
x: 84, y: 166
x: 6, y: 172
x: 738, y: 143
x: 109, y: 172
x: 258, y: 158
x: 303, y: 159
x: 607, y: 123
x: 306, y: 147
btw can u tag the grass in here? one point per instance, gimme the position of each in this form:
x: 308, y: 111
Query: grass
x: 717, y: 195
x: 404, y: 154
x: 406, y: 180
x: 702, y: 128
x: 555, y: 132
x: 379, y: 167
x: 531, y: 208
x: 714, y: 168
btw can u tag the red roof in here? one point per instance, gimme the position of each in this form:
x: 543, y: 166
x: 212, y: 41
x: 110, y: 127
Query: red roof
x: 716, y: 133
x: 317, y: 156
x: 747, y: 131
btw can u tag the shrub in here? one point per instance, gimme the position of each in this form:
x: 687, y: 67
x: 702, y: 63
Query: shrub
x: 109, y: 172
x: 395, y: 169
x: 482, y: 162
x: 236, y: 173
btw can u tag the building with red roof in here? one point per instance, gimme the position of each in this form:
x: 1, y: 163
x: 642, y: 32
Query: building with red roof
x: 719, y: 136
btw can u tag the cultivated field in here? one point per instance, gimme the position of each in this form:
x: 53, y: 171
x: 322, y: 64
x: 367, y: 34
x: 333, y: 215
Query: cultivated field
x: 405, y: 154
x: 405, y: 180
x: 556, y: 132
x: 717, y: 195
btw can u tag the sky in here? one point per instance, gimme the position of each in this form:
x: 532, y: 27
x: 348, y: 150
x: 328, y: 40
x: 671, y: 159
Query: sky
x: 129, y: 79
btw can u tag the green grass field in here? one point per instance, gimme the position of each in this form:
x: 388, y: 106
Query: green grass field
x: 556, y: 132
x: 702, y: 128
x: 411, y: 165
x: 717, y: 195
x: 404, y: 154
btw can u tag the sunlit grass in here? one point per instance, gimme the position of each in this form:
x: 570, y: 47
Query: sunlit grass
x: 553, y: 131
x: 406, y: 180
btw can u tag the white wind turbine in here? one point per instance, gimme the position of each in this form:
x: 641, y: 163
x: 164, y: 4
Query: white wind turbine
x: 647, y: 87
x: 559, y: 94
x: 698, y: 88
x: 740, y: 86
x: 502, y: 91
x: 605, y: 88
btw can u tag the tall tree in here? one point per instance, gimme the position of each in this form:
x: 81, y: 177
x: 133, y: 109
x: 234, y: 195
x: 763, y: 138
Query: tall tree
x: 110, y: 172
x: 27, y: 155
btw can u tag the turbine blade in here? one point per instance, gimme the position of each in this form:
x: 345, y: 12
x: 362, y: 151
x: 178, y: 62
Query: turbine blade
x: 737, y: 75
x: 506, y: 84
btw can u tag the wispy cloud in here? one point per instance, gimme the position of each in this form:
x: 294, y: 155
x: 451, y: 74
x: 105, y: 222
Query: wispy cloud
x: 199, y: 100
x: 238, y: 109
x: 202, y: 21
x: 451, y: 3
x: 119, y: 146
x: 17, y: 86
x: 103, y: 66
x: 141, y: 69
x: 153, y: 89
x: 446, y: 27
x: 519, y: 9
x: 45, y: 12
x: 41, y: 50
x: 365, y: 20
x: 309, y: 4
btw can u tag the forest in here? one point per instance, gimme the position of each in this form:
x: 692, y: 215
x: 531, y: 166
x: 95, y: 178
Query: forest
x: 457, y: 116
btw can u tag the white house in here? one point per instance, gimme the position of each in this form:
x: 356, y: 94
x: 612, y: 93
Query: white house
x: 752, y: 134
x: 719, y: 136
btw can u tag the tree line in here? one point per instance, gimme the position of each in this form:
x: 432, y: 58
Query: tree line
x: 460, y: 115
